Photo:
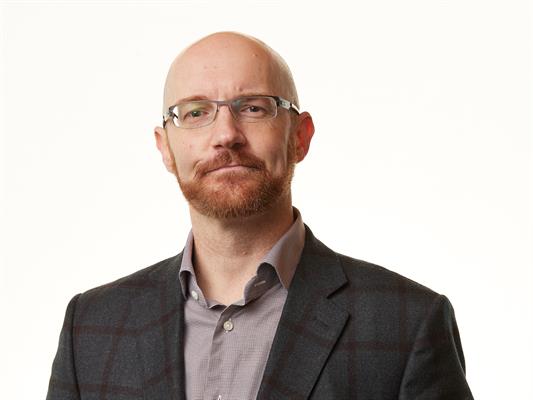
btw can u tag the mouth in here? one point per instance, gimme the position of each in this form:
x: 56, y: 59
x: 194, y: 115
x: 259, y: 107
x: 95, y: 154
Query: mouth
x: 236, y: 167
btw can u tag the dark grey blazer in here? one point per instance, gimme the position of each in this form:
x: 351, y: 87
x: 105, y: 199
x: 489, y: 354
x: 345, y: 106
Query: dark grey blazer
x: 349, y: 330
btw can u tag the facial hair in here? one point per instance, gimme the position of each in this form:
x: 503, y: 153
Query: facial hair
x: 237, y: 194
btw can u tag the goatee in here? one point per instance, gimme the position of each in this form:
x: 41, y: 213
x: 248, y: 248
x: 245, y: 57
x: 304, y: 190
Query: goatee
x: 236, y: 192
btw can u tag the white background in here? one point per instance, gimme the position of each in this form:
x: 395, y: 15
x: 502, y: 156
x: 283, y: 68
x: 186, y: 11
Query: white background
x: 421, y: 161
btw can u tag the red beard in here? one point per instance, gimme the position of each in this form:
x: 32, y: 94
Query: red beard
x: 239, y: 192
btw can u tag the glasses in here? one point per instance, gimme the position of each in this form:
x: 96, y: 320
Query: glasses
x: 199, y: 113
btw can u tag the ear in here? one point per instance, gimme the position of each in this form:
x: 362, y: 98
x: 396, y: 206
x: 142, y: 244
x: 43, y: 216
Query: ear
x: 161, y: 141
x: 304, y: 134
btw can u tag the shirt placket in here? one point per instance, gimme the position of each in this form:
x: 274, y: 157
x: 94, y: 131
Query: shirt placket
x: 217, y: 370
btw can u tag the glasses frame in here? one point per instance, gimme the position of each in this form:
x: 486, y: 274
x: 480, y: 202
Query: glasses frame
x: 280, y: 102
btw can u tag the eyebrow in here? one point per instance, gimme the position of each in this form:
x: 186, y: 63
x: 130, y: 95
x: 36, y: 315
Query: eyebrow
x: 202, y: 97
x: 191, y: 98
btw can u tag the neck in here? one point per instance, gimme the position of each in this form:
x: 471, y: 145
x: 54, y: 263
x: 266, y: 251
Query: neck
x: 227, y: 252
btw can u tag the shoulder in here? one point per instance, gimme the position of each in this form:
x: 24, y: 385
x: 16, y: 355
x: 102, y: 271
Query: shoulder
x: 143, y: 278
x: 382, y: 302
x: 361, y: 275
x: 376, y: 296
x: 364, y: 274
x: 107, y: 303
x: 381, y: 291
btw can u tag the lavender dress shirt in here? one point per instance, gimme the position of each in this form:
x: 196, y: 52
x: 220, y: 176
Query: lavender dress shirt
x: 227, y: 347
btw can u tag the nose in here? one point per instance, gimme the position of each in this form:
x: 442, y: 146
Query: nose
x: 226, y: 130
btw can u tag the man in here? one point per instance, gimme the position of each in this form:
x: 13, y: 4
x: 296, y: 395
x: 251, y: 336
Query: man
x: 254, y: 306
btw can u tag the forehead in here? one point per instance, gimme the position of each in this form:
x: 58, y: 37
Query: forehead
x: 221, y: 69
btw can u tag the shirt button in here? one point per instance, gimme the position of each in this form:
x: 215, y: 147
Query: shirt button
x: 194, y: 295
x: 228, y: 325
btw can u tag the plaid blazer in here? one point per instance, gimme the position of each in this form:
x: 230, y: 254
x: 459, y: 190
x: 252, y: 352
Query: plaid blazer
x: 349, y: 330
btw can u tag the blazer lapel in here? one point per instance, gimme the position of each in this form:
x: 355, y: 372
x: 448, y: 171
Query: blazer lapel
x: 160, y: 332
x: 309, y: 327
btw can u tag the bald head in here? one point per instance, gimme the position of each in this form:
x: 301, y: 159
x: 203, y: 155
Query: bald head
x: 233, y: 166
x: 224, y: 65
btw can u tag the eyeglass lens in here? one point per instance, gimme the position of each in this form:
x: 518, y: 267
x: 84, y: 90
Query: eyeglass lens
x: 199, y: 113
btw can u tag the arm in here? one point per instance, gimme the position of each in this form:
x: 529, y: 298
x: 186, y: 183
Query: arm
x: 63, y: 382
x: 436, y: 367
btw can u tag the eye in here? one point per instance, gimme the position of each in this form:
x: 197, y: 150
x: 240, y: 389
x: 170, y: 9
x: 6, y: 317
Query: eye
x: 255, y: 107
x: 252, y: 109
x: 194, y: 111
x: 194, y: 114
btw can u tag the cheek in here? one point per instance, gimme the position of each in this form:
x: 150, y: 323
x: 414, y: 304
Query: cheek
x: 275, y: 155
x: 183, y: 153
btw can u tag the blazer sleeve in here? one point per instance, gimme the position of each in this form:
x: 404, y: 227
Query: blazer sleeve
x: 63, y: 382
x: 436, y: 367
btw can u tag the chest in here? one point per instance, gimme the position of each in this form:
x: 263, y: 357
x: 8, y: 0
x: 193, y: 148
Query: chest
x: 226, y: 348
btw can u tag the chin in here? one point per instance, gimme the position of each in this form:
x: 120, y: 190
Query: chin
x: 235, y: 194
x: 236, y: 201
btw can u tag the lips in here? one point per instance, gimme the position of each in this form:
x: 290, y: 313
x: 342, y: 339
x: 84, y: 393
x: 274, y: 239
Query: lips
x: 229, y: 161
x: 230, y: 168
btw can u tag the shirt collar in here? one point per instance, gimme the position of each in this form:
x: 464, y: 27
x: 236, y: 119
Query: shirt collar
x: 283, y: 256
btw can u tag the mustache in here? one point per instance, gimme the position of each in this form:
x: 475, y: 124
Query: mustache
x: 226, y: 158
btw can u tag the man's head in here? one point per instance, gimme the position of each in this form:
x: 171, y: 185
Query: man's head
x: 233, y: 168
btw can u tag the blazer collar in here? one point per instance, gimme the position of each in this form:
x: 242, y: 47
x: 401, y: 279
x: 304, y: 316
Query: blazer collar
x: 309, y: 327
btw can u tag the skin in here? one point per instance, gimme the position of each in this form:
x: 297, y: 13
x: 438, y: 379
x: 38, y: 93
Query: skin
x: 223, y: 66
